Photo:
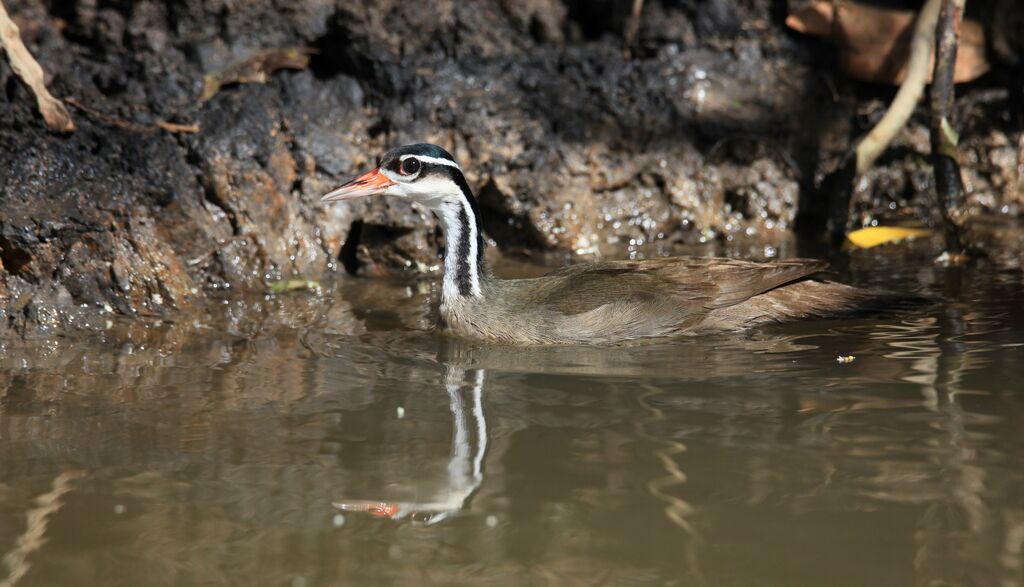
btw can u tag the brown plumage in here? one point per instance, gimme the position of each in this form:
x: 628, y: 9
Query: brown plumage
x: 594, y: 303
x: 615, y: 301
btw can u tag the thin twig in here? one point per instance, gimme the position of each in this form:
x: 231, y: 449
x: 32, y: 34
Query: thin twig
x: 28, y: 69
x: 172, y: 127
x: 178, y: 128
x: 944, y: 138
x: 107, y: 118
x: 909, y: 94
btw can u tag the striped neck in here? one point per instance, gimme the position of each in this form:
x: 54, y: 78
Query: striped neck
x: 464, y: 243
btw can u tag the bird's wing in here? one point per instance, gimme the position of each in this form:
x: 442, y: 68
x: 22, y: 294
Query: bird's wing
x: 737, y: 281
x: 694, y: 285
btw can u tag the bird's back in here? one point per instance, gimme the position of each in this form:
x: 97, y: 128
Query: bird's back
x: 616, y: 301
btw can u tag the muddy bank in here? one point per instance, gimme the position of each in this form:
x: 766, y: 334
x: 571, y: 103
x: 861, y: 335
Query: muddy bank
x: 719, y: 124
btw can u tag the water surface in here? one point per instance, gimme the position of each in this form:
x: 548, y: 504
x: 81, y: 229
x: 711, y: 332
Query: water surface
x: 334, y: 439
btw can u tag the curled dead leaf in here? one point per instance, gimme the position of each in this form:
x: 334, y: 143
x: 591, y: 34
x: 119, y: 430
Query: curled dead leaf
x: 256, y: 68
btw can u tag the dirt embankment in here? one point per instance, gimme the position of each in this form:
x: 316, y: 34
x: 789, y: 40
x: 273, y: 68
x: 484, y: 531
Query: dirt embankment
x: 720, y: 123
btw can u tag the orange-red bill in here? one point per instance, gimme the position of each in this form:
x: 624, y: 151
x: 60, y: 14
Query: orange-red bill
x: 371, y: 183
x: 380, y: 509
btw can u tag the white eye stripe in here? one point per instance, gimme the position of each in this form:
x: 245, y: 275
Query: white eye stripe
x: 392, y: 175
x: 434, y: 160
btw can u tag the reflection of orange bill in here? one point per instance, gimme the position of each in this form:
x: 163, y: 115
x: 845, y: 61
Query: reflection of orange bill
x: 380, y: 509
x: 371, y: 183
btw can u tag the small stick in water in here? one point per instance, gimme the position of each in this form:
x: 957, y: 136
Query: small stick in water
x: 944, y: 138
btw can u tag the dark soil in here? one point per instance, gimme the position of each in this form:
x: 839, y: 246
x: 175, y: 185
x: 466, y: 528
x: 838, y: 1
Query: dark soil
x: 718, y: 124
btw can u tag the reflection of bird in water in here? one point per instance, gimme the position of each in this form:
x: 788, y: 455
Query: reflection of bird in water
x: 438, y: 490
x: 592, y: 303
x: 465, y: 465
x: 726, y: 355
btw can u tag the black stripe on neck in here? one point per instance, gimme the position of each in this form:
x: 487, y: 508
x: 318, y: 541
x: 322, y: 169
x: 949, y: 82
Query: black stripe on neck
x: 462, y: 274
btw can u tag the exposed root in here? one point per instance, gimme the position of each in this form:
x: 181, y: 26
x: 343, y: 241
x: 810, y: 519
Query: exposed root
x: 28, y: 69
x: 909, y: 94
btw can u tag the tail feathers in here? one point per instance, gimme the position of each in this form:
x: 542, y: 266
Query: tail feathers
x: 814, y: 299
x: 828, y: 299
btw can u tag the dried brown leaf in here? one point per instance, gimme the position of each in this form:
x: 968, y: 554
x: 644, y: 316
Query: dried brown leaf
x: 256, y: 68
x: 874, y: 43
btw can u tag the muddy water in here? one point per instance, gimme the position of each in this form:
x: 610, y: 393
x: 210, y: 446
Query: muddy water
x: 334, y: 440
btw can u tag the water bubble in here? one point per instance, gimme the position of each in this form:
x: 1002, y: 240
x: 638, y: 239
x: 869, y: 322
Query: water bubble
x: 339, y: 520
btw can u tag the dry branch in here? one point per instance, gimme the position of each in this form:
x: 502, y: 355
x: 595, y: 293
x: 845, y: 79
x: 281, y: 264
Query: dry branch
x: 54, y: 113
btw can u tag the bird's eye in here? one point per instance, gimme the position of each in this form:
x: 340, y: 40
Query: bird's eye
x: 410, y: 166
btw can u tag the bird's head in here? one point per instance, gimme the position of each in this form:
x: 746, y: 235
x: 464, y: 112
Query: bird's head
x: 421, y: 173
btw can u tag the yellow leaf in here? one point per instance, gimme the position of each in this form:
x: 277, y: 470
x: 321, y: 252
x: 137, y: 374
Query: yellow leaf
x: 873, y: 236
x: 287, y: 285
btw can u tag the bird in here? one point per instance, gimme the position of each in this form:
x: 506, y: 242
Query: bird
x: 593, y: 303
